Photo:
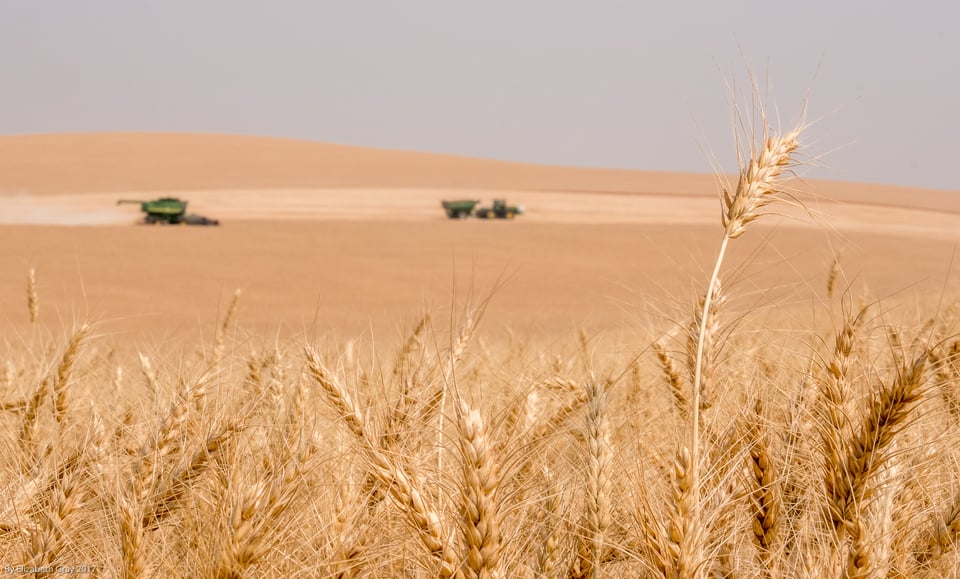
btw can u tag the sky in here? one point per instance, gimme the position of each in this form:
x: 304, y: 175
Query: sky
x: 598, y: 83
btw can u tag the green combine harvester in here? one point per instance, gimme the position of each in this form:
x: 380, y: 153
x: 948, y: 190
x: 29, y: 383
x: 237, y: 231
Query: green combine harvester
x: 169, y: 210
x: 463, y: 208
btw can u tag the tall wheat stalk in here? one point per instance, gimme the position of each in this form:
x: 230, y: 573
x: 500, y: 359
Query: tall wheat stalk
x: 761, y: 183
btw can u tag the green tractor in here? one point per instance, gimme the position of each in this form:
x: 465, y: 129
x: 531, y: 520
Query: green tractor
x: 500, y: 210
x: 169, y: 210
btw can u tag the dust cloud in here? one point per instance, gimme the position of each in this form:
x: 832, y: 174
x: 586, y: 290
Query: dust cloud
x: 23, y: 208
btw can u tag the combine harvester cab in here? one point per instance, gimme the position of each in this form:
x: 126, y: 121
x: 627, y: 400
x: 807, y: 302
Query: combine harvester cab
x: 169, y: 210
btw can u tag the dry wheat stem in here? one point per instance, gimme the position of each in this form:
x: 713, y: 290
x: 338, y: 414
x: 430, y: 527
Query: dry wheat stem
x: 702, y: 337
x: 33, y: 300
x: 693, y: 469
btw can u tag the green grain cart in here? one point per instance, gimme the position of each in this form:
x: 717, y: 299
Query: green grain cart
x: 459, y: 209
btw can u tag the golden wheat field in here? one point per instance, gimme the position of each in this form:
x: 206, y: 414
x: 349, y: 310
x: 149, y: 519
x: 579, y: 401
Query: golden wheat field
x: 639, y: 377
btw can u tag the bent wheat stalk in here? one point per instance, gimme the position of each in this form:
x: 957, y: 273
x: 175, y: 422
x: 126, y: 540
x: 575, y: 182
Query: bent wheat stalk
x: 760, y: 184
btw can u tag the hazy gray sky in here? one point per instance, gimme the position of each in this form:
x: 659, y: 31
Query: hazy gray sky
x: 597, y: 83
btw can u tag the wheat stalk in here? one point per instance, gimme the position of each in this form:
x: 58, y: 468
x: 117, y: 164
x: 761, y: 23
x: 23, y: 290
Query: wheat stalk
x: 405, y: 486
x: 832, y: 394
x: 481, y: 482
x: 167, y: 497
x: 835, y: 271
x: 760, y: 184
x: 57, y: 518
x: 336, y: 394
x: 456, y: 354
x: 549, y: 557
x: 149, y: 374
x: 351, y: 533
x: 64, y: 371
x: 765, y: 495
x: 702, y: 337
x: 947, y: 380
x: 943, y: 539
x: 145, y: 476
x: 411, y: 344
x: 868, y: 453
x: 224, y: 327
x: 597, y: 520
x: 28, y: 429
x: 33, y: 299
x: 685, y: 545
x: 257, y: 506
x: 672, y: 376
